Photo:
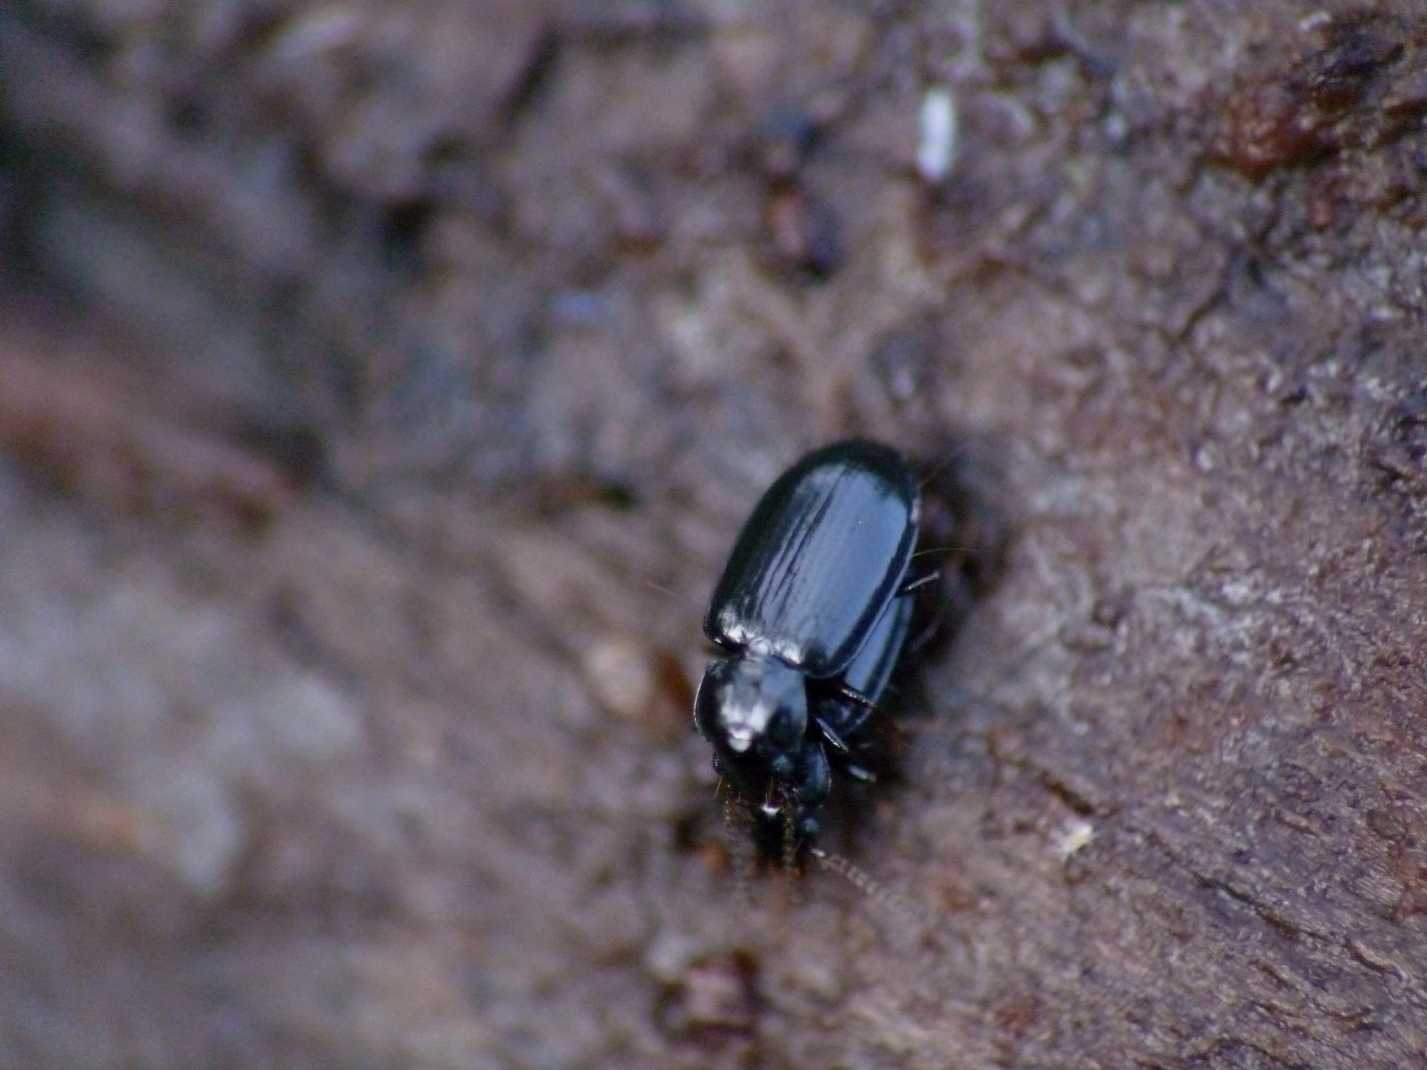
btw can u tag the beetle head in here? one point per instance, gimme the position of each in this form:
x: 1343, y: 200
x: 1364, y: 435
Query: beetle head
x: 753, y: 710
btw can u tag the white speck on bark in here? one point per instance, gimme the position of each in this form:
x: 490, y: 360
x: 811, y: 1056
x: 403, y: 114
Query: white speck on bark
x: 936, y: 149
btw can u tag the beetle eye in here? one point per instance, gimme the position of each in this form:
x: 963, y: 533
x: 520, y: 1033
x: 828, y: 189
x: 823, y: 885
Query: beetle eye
x: 708, y: 701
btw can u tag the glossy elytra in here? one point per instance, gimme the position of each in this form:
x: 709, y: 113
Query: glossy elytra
x: 811, y: 616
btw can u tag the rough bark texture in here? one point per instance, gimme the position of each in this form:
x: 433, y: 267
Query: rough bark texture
x: 381, y: 385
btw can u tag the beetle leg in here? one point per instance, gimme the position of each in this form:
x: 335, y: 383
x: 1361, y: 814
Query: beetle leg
x: 790, y: 842
x: 863, y: 708
x: 814, y: 777
x: 929, y: 630
x: 857, y: 772
x: 857, y: 698
x: 919, y: 641
x: 920, y: 582
x: 861, y: 719
x: 831, y: 735
x: 843, y: 737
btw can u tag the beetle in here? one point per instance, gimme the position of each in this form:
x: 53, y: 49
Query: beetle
x: 811, y: 617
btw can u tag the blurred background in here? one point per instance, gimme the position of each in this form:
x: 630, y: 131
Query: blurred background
x: 381, y: 386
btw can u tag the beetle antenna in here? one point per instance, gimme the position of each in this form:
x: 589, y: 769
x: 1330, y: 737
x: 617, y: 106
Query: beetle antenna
x: 929, y: 473
x: 740, y: 849
x: 790, y: 841
x: 962, y: 547
x: 893, y: 902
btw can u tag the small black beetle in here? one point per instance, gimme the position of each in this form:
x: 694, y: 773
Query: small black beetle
x: 812, y: 613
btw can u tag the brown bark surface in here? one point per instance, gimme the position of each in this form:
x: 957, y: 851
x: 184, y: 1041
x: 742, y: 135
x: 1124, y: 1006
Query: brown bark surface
x: 381, y: 385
